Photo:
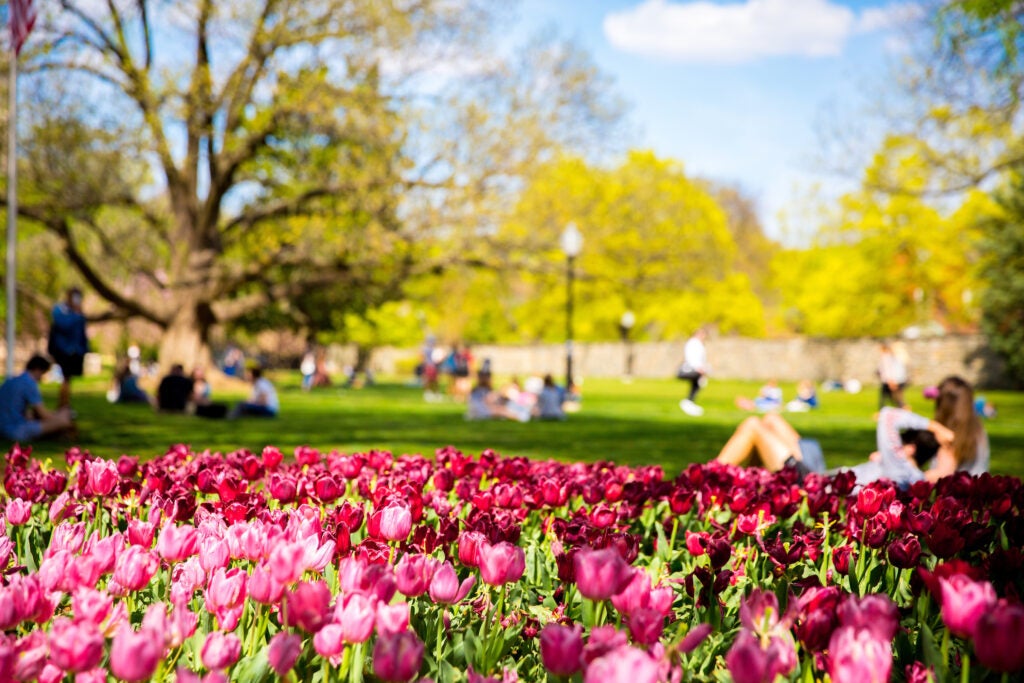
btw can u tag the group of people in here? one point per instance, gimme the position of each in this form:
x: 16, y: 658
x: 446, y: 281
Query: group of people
x: 909, y: 447
x: 541, y: 399
x: 456, y: 365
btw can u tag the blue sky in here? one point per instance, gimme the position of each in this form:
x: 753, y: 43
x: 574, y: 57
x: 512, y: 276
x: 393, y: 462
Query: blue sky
x: 736, y: 90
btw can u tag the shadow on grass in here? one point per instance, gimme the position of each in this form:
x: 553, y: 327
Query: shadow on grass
x: 637, y: 424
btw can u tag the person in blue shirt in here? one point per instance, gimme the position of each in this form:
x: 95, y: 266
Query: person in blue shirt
x: 23, y: 417
x: 68, y: 342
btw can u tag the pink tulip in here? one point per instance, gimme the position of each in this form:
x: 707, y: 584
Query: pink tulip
x: 104, y: 552
x: 134, y: 656
x: 328, y: 641
x: 602, y: 640
x: 356, y: 616
x: 287, y: 562
x: 694, y: 637
x: 30, y: 656
x: 445, y: 587
x: 749, y: 662
x: 102, y: 476
x: 635, y: 595
x: 263, y: 587
x: 214, y: 554
x: 308, y: 605
x: 997, y: 638
x: 413, y: 574
x: 964, y: 601
x: 226, y: 589
x: 68, y: 537
x: 6, y: 551
x: 391, y: 619
x: 397, y: 658
x: 469, y: 547
x: 600, y: 574
x: 75, y: 646
x: 135, y: 567
x: 92, y: 676
x: 283, y: 652
x: 646, y: 625
x: 857, y: 656
x: 91, y: 605
x: 623, y: 665
x: 141, y: 533
x: 18, y: 511
x: 395, y: 522
x: 561, y: 649
x: 501, y: 563
x: 82, y: 571
x: 177, y: 543
x: 874, y: 612
x: 221, y: 650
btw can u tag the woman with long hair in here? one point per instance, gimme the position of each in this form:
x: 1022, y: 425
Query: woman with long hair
x: 969, y: 451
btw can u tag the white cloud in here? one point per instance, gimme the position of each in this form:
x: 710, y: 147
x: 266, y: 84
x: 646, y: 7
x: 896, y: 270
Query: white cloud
x: 888, y: 17
x: 707, y: 32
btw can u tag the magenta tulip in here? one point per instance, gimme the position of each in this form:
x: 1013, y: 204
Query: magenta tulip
x: 308, y: 605
x: 357, y: 616
x: 469, y: 547
x: 328, y: 641
x: 964, y: 601
x: 997, y: 638
x: 392, y: 619
x: 561, y: 649
x: 18, y: 511
x: 135, y: 567
x: 750, y: 662
x: 600, y: 574
x: 397, y: 658
x: 413, y: 574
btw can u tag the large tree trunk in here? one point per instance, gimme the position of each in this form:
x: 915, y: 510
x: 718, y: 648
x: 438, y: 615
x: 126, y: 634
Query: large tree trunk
x: 187, y: 339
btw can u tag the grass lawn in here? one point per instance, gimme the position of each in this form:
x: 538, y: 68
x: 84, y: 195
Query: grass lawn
x: 635, y: 424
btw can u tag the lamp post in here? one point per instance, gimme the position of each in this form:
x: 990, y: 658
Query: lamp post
x: 572, y: 244
x: 626, y: 323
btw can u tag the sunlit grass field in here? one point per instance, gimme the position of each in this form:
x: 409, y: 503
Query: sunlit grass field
x: 632, y: 423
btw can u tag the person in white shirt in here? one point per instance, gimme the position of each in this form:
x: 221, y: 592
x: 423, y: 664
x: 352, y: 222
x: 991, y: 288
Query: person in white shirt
x: 695, y: 370
x: 262, y: 401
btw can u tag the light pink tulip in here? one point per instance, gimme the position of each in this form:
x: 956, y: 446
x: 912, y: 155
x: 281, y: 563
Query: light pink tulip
x: 328, y: 641
x: 413, y: 574
x: 177, y: 543
x: 214, y: 554
x: 395, y: 522
x: 356, y: 618
x: 263, y: 587
x: 392, y: 619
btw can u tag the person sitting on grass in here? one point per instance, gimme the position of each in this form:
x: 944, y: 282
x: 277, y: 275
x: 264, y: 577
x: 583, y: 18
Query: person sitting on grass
x: 486, y: 404
x: 768, y: 398
x: 23, y: 417
x: 175, y: 392
x: 550, y: 400
x: 262, y: 401
x: 905, y: 443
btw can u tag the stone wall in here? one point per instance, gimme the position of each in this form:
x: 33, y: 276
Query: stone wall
x: 735, y: 358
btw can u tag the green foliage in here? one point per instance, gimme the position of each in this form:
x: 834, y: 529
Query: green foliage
x: 1003, y: 268
x: 655, y: 242
x: 886, y: 260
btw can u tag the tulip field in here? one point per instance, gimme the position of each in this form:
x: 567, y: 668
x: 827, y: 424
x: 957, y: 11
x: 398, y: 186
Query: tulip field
x: 312, y: 566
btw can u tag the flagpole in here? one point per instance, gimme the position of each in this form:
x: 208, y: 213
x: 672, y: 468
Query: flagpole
x: 12, y: 208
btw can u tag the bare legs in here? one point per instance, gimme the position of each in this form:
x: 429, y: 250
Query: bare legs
x: 770, y: 439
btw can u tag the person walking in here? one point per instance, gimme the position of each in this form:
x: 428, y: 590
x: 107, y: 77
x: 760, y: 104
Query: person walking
x: 68, y: 343
x: 695, y: 370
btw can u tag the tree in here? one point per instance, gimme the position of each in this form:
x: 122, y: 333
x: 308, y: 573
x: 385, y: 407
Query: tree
x: 1003, y: 269
x: 655, y: 242
x: 887, y: 261
x: 203, y: 163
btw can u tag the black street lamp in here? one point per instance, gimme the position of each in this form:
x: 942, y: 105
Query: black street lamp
x: 626, y: 323
x: 572, y: 244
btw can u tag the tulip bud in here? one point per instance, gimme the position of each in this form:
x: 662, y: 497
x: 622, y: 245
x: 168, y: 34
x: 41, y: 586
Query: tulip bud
x: 397, y: 658
x: 561, y: 649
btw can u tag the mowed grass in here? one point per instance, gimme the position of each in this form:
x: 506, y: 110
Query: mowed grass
x: 637, y: 423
